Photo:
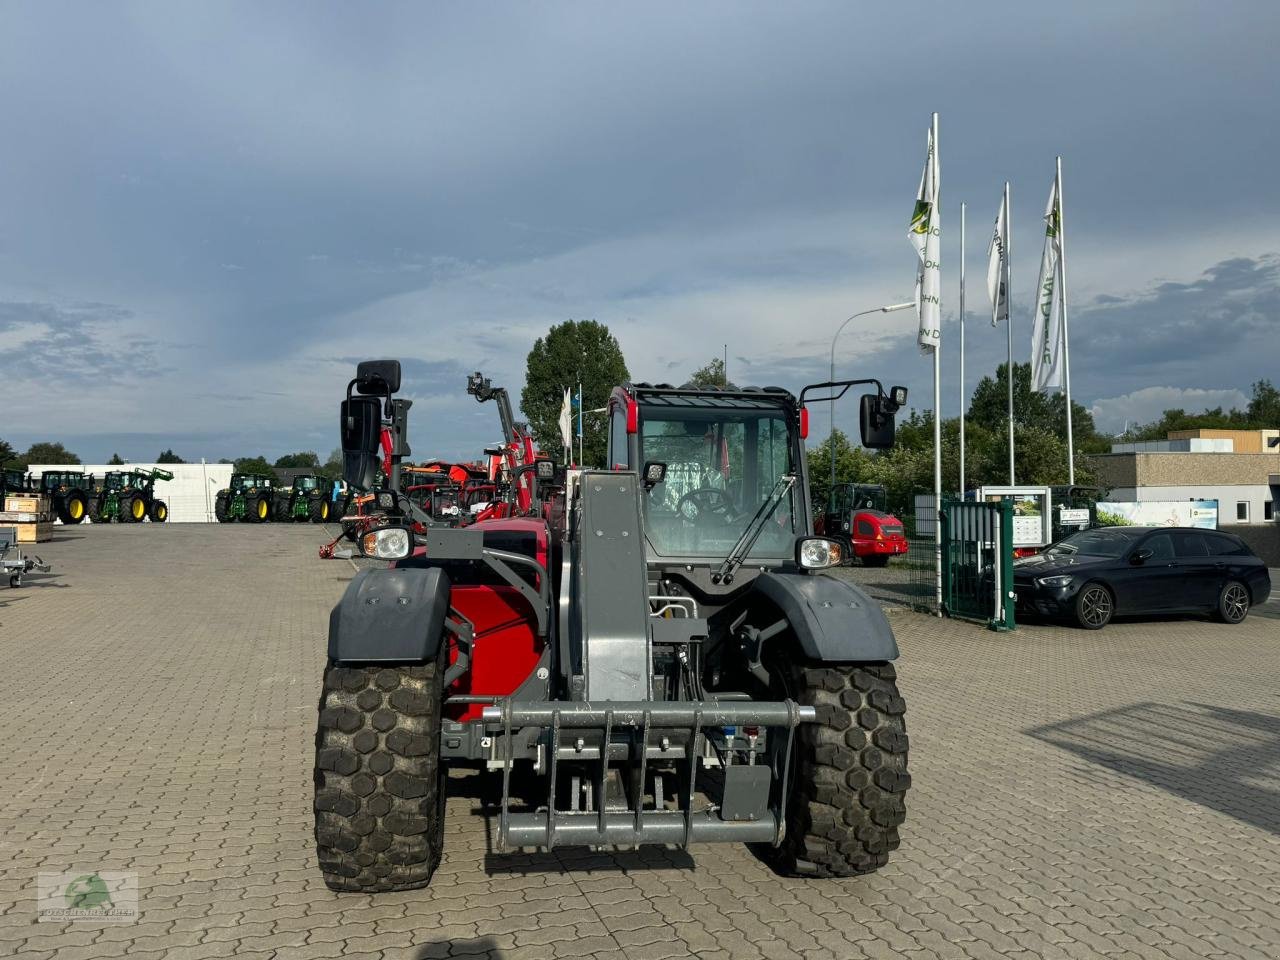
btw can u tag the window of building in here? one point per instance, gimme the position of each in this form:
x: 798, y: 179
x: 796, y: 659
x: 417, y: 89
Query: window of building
x: 1242, y: 511
x: 1268, y: 511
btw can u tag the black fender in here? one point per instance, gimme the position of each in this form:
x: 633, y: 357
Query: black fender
x: 834, y: 620
x: 390, y: 616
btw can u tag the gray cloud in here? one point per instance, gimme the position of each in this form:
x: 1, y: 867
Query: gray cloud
x: 265, y: 189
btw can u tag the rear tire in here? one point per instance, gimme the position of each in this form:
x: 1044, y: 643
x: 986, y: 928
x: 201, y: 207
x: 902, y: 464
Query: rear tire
x: 1094, y: 606
x: 1233, y: 602
x: 849, y: 776
x: 379, y: 782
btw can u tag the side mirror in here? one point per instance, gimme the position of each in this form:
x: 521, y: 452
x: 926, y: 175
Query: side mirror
x: 655, y: 471
x: 360, y: 425
x: 378, y: 377
x: 876, y: 422
x: 1141, y: 556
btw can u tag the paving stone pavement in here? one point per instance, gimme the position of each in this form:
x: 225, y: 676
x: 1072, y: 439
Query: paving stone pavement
x: 1110, y: 794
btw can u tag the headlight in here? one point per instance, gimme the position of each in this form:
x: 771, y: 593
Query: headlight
x: 1063, y: 581
x: 815, y: 553
x: 387, y: 543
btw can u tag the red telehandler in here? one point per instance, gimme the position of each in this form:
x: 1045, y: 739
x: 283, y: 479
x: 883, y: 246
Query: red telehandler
x: 663, y: 661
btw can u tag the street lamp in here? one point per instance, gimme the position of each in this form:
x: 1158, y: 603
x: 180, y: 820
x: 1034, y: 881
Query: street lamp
x: 831, y: 451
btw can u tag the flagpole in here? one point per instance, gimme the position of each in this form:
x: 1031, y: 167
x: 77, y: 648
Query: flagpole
x: 937, y: 405
x: 1008, y: 293
x: 581, y: 454
x: 962, y: 396
x: 1066, y: 341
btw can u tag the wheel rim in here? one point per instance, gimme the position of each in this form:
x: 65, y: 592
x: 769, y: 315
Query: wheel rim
x: 324, y: 511
x: 1095, y: 606
x: 262, y: 509
x: 137, y: 508
x: 1235, y: 602
x: 77, y: 509
x: 162, y: 512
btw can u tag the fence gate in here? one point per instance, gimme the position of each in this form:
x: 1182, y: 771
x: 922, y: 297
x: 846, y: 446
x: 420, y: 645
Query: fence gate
x: 977, y: 561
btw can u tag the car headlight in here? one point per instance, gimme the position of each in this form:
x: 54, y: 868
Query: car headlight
x: 387, y: 543
x: 816, y: 553
x: 1062, y: 581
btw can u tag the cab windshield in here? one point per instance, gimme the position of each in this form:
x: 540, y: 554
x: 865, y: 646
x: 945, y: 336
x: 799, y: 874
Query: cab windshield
x: 306, y: 483
x: 722, y: 464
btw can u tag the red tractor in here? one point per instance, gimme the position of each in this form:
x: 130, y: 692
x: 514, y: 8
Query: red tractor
x: 646, y: 655
x: 856, y: 516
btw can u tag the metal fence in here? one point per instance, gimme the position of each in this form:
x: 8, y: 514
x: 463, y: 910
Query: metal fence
x: 908, y: 580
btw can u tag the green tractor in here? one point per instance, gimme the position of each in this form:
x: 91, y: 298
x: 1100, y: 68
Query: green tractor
x: 305, y: 500
x: 248, y: 498
x: 128, y: 496
x: 69, y: 493
x: 14, y: 480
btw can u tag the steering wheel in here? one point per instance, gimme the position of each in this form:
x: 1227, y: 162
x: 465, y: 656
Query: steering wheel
x: 705, y: 506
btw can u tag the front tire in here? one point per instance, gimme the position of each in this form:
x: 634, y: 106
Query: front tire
x: 129, y: 513
x: 1094, y: 606
x: 74, y: 508
x: 1233, y: 602
x: 379, y: 782
x: 220, y: 510
x: 318, y: 510
x: 159, y: 512
x: 849, y: 779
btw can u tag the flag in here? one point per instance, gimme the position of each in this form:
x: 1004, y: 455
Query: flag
x: 925, y: 234
x: 1046, y: 328
x: 566, y: 421
x: 998, y: 265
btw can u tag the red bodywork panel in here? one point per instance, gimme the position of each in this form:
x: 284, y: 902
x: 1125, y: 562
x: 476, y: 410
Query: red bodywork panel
x: 507, y: 648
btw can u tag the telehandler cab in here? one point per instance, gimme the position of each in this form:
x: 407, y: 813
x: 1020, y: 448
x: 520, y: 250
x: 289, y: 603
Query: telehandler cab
x: 665, y: 659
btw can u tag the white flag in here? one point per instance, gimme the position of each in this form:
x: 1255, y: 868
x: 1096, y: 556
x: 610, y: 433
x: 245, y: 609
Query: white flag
x: 1046, y: 328
x: 925, y: 234
x: 566, y: 421
x: 998, y: 266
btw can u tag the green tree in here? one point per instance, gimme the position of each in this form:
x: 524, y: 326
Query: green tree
x: 7, y: 452
x: 256, y: 465
x: 297, y: 461
x: 168, y: 456
x: 1264, y: 406
x: 332, y: 467
x: 51, y: 453
x: 989, y: 408
x: 711, y: 375
x: 115, y: 461
x: 576, y: 351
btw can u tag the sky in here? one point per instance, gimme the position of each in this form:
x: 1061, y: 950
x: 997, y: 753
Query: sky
x: 208, y: 211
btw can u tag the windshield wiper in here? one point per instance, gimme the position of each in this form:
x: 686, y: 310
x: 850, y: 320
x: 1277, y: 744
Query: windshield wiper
x: 751, y: 534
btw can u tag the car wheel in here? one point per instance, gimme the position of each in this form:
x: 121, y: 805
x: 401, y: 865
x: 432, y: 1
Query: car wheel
x: 1094, y: 606
x: 1233, y: 602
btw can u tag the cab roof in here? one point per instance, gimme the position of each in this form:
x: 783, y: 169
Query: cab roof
x: 738, y: 398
